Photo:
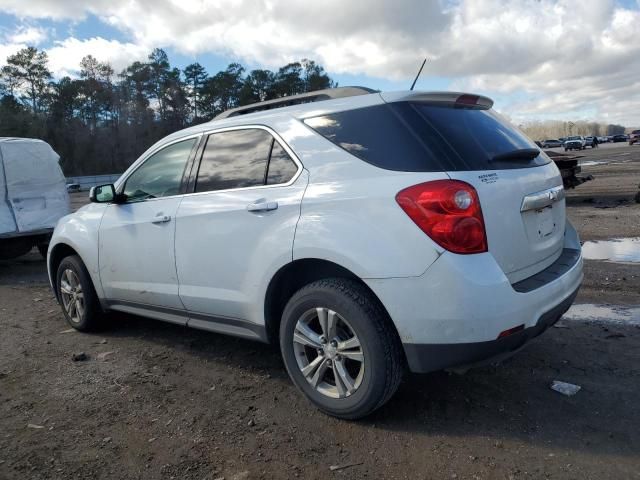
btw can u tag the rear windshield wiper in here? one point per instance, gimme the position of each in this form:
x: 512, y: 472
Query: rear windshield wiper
x: 520, y: 154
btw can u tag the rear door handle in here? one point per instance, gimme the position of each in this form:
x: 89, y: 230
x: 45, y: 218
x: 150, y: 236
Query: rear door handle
x: 161, y: 219
x: 262, y: 206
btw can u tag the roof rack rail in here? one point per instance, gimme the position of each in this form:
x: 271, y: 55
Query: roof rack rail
x: 317, y: 96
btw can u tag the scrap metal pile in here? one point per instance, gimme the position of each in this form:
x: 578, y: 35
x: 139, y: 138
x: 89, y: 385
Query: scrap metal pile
x: 569, y: 168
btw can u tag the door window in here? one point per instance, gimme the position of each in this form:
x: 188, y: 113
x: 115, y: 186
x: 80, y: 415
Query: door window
x: 243, y: 158
x: 161, y: 174
x: 234, y: 159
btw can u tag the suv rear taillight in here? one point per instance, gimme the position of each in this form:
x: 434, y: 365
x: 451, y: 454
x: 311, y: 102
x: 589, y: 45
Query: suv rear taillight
x: 449, y: 212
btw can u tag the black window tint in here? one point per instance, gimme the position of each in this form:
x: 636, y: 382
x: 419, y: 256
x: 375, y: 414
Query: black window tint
x: 420, y: 137
x: 476, y: 137
x: 161, y: 174
x: 377, y: 136
x: 281, y: 167
x: 234, y: 159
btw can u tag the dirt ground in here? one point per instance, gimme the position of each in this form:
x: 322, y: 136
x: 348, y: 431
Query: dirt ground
x: 155, y: 400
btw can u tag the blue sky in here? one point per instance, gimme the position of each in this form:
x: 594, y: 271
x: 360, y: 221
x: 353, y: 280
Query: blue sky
x: 577, y: 59
x: 92, y: 26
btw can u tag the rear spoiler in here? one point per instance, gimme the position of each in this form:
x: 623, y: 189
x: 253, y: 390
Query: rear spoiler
x: 461, y: 99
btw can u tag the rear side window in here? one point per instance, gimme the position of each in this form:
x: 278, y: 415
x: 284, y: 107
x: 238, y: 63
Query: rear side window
x: 281, y: 167
x: 419, y: 137
x: 243, y: 158
x: 378, y: 136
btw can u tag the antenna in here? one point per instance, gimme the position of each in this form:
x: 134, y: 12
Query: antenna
x: 418, y: 75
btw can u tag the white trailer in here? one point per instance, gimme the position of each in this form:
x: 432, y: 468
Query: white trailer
x: 33, y: 195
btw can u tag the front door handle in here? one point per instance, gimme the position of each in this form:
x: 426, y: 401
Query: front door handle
x: 262, y: 206
x: 161, y: 219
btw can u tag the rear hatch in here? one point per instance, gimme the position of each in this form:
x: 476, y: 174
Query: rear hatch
x: 519, y: 187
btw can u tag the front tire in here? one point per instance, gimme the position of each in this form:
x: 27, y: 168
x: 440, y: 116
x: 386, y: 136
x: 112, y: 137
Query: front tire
x: 78, y: 299
x: 340, y: 348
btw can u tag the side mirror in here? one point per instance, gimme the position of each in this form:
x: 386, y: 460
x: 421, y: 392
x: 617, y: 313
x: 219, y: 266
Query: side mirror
x: 103, y: 194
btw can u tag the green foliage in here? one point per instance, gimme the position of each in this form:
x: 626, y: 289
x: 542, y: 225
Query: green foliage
x: 101, y: 122
x: 27, y: 72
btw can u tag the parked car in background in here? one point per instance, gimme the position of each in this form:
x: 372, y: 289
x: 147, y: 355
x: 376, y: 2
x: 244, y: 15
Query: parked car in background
x: 562, y: 139
x: 620, y: 138
x: 362, y: 233
x: 634, y: 137
x: 603, y: 139
x: 589, y: 142
x: 575, y: 142
x: 73, y: 187
x: 552, y: 143
x: 33, y: 196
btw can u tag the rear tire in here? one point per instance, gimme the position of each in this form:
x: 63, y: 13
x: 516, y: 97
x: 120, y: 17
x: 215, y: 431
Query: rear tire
x: 78, y: 299
x: 340, y: 348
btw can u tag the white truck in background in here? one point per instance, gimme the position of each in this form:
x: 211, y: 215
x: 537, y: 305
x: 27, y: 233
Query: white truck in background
x: 33, y: 195
x: 576, y: 142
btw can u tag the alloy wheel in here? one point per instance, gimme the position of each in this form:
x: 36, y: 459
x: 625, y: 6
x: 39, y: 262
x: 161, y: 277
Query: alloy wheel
x: 328, y: 353
x: 72, y: 295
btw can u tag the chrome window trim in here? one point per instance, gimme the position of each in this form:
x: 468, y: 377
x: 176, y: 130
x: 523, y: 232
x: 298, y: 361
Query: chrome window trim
x: 276, y: 136
x: 122, y: 181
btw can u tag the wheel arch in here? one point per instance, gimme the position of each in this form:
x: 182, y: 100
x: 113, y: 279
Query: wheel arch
x: 58, y: 253
x: 295, y: 275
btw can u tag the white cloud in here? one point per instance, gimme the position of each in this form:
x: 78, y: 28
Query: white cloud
x: 55, y: 9
x: 541, y: 57
x: 18, y: 38
x: 28, y: 35
x: 8, y: 49
x: 65, y: 56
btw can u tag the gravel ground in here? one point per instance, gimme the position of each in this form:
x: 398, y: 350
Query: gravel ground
x: 154, y: 400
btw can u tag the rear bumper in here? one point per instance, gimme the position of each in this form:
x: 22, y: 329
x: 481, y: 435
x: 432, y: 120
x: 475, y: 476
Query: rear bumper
x: 453, y: 314
x: 423, y: 358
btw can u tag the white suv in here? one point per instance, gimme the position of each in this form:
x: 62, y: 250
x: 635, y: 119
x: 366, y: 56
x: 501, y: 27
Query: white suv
x: 365, y: 232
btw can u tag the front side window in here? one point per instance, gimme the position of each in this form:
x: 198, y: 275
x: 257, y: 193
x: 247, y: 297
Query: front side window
x: 243, y: 158
x: 161, y: 174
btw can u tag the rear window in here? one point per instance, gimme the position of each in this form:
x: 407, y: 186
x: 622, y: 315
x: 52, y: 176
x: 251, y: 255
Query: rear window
x: 417, y: 137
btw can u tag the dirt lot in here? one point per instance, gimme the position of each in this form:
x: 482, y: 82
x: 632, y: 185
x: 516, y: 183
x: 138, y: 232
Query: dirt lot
x: 159, y: 401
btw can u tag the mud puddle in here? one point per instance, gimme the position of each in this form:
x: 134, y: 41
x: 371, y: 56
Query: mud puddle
x: 619, y: 250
